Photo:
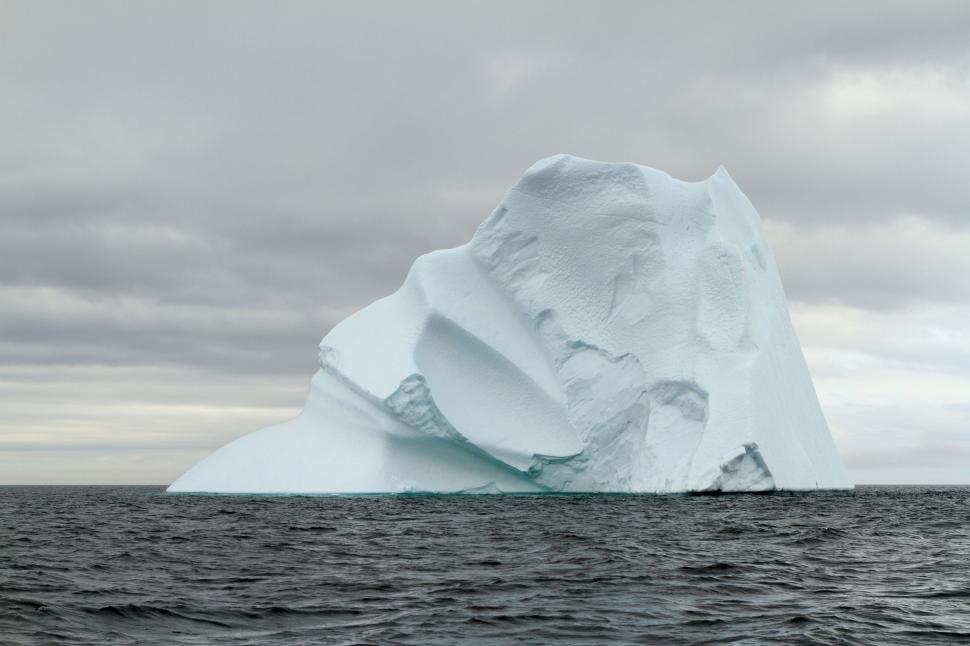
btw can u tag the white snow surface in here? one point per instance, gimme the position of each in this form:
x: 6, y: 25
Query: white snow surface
x: 608, y: 328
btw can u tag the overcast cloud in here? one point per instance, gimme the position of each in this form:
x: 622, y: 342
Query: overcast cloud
x: 192, y: 194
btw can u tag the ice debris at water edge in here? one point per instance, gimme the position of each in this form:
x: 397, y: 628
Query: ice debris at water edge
x: 608, y: 328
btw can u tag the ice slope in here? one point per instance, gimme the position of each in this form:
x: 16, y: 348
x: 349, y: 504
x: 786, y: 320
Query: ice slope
x: 608, y: 328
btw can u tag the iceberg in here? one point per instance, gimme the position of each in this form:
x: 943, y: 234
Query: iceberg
x: 607, y: 329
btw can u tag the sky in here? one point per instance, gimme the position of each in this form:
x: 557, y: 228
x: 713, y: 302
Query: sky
x: 192, y: 194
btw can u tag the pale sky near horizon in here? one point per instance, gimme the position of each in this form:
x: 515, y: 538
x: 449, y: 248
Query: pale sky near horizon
x: 192, y: 194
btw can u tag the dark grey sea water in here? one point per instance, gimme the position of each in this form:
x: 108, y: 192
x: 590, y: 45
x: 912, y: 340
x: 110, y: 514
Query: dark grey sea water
x: 130, y: 565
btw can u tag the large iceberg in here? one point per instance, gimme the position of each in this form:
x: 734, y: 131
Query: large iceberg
x: 608, y: 328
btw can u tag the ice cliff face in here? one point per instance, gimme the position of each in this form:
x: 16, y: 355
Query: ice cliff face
x: 608, y: 328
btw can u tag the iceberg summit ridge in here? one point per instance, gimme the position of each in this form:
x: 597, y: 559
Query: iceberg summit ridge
x: 607, y: 329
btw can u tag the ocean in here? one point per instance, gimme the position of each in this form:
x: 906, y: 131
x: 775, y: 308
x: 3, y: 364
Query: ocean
x: 134, y: 565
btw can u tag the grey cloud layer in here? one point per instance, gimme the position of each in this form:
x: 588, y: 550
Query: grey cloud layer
x: 215, y: 185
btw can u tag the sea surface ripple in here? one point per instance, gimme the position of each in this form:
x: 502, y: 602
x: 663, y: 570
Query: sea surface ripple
x: 134, y: 565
